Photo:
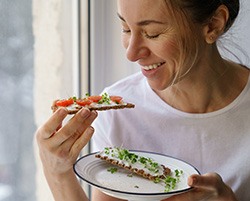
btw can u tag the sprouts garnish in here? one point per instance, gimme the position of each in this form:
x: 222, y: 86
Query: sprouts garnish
x: 170, y: 181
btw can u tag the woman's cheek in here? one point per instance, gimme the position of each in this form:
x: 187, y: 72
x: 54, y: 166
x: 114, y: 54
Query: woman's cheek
x: 174, y: 50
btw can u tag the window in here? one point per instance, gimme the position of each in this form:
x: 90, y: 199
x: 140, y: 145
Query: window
x: 39, y: 62
x: 17, y: 166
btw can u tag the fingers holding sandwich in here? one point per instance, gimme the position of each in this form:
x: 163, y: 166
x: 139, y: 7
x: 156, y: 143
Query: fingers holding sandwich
x: 60, y: 146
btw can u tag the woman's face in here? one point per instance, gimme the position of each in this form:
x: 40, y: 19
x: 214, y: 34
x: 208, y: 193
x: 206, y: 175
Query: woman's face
x: 150, y: 40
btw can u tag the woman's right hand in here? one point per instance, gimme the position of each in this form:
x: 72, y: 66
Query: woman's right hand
x: 60, y: 146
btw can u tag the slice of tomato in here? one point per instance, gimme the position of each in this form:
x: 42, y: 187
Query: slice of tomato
x: 95, y: 98
x: 64, y: 102
x: 116, y: 99
x: 84, y: 102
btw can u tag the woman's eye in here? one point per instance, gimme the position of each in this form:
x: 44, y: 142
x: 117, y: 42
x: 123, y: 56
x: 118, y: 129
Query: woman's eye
x: 151, y: 36
x: 125, y: 31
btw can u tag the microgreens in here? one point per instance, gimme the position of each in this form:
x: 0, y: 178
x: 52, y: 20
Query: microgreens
x: 170, y: 181
x: 105, y: 99
x: 112, y: 170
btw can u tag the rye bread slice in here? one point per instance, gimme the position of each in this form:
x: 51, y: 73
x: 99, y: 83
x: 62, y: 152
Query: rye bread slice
x: 139, y: 165
x: 75, y: 108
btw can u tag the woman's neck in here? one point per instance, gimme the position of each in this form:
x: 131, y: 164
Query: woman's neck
x: 208, y: 87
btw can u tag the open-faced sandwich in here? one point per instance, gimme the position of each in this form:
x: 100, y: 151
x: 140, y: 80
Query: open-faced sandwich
x: 97, y: 102
x: 140, y: 165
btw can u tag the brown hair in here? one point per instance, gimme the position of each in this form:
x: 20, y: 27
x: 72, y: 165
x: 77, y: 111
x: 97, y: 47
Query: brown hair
x: 189, y: 16
x: 201, y: 11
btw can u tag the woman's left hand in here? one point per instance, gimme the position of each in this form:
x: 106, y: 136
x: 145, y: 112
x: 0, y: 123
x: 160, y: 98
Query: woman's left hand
x: 207, y: 187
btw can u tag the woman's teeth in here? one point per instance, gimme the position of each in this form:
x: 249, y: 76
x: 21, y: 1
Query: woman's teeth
x: 153, y: 66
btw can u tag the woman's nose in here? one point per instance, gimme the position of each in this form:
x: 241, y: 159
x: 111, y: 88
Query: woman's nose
x: 136, y: 49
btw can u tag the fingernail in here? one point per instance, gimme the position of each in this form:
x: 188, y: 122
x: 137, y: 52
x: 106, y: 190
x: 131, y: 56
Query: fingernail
x: 63, y: 111
x: 94, y: 112
x: 192, y: 181
x: 91, y: 129
x: 84, y: 112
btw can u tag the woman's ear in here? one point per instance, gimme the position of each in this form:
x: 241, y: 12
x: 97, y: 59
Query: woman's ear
x: 216, y: 25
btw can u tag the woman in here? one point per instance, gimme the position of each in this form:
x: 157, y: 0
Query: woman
x: 190, y: 102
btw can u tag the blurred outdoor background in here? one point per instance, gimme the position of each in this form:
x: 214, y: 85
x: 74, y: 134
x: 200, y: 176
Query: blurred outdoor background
x: 17, y: 165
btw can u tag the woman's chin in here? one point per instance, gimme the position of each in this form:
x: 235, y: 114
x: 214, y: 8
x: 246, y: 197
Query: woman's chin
x: 158, y: 86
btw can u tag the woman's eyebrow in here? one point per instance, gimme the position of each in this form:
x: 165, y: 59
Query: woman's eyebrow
x: 143, y: 22
x: 120, y: 17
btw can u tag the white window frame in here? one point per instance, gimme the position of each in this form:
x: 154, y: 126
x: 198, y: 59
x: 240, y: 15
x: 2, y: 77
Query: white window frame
x: 82, y: 65
x: 108, y: 61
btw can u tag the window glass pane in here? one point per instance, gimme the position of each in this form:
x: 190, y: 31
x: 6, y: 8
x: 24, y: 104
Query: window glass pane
x: 17, y: 165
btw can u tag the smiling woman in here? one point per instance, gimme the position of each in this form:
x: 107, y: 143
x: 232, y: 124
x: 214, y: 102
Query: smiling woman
x: 230, y: 41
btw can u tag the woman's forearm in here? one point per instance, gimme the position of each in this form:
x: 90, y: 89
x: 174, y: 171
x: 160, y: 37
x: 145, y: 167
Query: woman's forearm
x: 66, y: 187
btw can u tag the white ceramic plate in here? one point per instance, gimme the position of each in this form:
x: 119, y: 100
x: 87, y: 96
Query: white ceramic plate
x: 94, y: 171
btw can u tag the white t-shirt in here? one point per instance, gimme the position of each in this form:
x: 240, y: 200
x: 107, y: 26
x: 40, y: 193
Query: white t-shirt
x: 213, y: 142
